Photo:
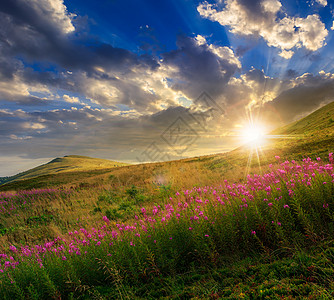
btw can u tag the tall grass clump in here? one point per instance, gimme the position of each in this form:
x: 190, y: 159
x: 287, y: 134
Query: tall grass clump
x: 277, y: 214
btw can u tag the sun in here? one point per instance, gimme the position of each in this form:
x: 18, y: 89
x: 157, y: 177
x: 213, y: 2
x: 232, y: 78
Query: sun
x: 253, y: 134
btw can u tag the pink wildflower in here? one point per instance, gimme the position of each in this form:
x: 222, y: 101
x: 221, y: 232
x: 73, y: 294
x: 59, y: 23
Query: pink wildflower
x: 105, y: 219
x: 12, y: 248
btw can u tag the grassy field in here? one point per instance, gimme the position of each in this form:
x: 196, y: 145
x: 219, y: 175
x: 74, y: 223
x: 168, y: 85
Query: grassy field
x: 197, y: 228
x: 271, y: 236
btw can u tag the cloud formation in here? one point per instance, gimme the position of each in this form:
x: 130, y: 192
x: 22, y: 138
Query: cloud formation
x: 262, y: 18
x: 117, y: 102
x: 304, y: 94
x: 322, y: 2
x: 196, y: 66
x: 45, y: 16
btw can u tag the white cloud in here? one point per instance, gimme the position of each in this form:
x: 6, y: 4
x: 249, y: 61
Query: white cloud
x: 286, y: 54
x: 70, y: 99
x: 17, y: 90
x: 312, y: 32
x: 322, y: 2
x: 225, y: 53
x: 34, y: 126
x: 15, y: 137
x: 262, y: 20
x: 55, y: 11
x: 271, y: 6
x: 332, y: 28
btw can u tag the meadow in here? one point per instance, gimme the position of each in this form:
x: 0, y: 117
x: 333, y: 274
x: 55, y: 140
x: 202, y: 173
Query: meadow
x: 247, y: 224
x: 269, y: 236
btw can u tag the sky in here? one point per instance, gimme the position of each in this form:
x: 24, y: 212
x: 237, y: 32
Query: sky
x: 141, y: 81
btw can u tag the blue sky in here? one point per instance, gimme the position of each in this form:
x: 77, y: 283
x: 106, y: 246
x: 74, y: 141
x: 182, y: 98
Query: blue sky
x: 110, y: 78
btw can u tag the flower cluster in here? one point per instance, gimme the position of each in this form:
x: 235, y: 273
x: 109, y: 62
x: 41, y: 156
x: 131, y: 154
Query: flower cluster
x: 200, y: 209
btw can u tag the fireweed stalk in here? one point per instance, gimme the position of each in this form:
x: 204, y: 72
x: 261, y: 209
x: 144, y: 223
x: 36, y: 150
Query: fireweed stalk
x: 289, y: 207
x: 24, y: 200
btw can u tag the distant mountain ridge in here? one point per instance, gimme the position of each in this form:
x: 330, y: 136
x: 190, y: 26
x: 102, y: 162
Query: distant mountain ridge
x: 68, y: 163
x: 311, y: 136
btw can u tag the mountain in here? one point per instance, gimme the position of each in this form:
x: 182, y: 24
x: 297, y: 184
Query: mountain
x: 68, y: 163
x: 310, y: 136
x: 319, y: 123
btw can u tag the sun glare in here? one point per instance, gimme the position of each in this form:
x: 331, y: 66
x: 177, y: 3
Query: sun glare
x: 253, y: 134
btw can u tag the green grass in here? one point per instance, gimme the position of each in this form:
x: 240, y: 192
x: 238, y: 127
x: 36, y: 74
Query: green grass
x: 311, y: 136
x: 217, y: 257
x: 69, y: 163
x: 292, y: 261
x: 298, y: 277
x: 319, y: 122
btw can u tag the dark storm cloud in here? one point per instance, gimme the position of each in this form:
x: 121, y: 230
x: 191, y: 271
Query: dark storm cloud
x: 8, y: 67
x: 44, y: 32
x: 311, y: 92
x: 36, y: 14
x: 74, y: 129
x: 86, y: 130
x: 199, y: 68
x: 66, y: 62
x: 31, y: 29
x: 290, y: 73
x: 254, y: 10
x: 163, y: 119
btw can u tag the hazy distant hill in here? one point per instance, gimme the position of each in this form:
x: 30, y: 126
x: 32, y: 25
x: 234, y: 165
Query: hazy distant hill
x: 68, y: 163
x: 311, y: 136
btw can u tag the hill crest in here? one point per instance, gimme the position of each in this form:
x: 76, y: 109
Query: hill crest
x: 67, y: 163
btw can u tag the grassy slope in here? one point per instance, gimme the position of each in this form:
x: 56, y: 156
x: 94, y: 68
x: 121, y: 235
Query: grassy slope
x: 213, y: 260
x: 70, y: 163
x: 247, y: 278
x: 311, y: 136
x: 320, y: 122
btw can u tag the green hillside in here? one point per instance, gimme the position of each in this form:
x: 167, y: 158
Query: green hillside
x: 224, y: 241
x: 320, y: 122
x: 68, y: 163
x: 311, y: 136
x: 176, y: 230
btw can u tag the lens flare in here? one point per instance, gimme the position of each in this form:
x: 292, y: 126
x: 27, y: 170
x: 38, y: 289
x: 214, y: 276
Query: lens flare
x: 253, y: 134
